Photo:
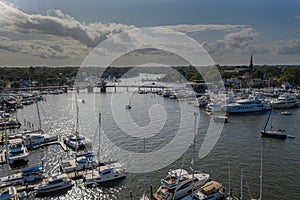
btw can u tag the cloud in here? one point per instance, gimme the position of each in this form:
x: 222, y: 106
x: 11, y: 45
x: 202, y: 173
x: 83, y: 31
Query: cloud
x: 190, y: 28
x: 53, y: 48
x: 287, y: 47
x: 235, y: 41
x: 297, y: 17
x: 58, y: 23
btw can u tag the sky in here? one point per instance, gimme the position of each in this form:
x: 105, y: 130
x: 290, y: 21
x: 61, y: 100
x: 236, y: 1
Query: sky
x: 63, y: 32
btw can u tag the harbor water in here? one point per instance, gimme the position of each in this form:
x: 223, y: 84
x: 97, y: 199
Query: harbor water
x: 239, y: 144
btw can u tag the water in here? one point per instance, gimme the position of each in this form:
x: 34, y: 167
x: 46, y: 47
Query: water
x: 239, y: 143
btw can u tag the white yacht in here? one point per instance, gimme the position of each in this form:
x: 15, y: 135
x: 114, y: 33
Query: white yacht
x: 106, y: 173
x: 25, y: 176
x: 17, y: 151
x: 212, y: 190
x: 36, y: 139
x: 285, y: 102
x: 246, y: 106
x: 178, y: 184
x: 55, y: 183
x: 79, y: 163
x: 77, y: 142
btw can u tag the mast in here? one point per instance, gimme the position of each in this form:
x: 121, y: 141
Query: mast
x: 77, y: 117
x: 261, y: 173
x: 99, y: 151
x: 38, y: 112
x: 241, y: 195
x: 194, y: 150
x: 229, y: 186
x: 144, y: 168
x: 266, y: 123
x: 6, y: 136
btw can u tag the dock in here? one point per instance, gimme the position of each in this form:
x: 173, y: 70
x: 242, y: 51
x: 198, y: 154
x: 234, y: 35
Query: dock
x: 57, y: 142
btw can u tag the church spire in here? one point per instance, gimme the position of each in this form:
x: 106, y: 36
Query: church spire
x: 251, y: 63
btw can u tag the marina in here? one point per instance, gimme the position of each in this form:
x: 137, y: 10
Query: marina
x: 68, y: 162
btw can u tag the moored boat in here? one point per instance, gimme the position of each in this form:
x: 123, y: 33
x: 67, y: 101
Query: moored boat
x: 105, y: 173
x: 17, y: 151
x: 178, y: 184
x: 55, y: 183
x: 279, y: 133
x: 285, y: 102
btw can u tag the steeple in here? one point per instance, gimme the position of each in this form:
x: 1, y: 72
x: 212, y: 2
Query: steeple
x: 251, y: 63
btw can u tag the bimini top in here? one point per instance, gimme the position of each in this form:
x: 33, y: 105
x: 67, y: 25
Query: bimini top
x: 32, y: 169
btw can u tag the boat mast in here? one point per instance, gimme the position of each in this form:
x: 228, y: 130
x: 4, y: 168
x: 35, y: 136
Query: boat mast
x: 77, y: 117
x: 261, y: 173
x: 229, y: 186
x: 6, y: 137
x: 266, y: 123
x: 99, y: 151
x: 241, y: 195
x: 144, y: 168
x: 194, y: 150
x: 38, y: 112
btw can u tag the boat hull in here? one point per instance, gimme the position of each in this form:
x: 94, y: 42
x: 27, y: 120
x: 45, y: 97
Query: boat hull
x: 55, y: 189
x: 273, y: 135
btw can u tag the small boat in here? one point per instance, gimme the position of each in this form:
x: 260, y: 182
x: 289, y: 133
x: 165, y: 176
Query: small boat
x: 286, y: 112
x: 222, y: 119
x: 77, y: 142
x: 105, y: 173
x: 212, y: 190
x: 272, y: 132
x: 9, y: 194
x: 81, y: 162
x: 36, y: 139
x: 17, y: 151
x: 55, y: 183
x: 128, y: 106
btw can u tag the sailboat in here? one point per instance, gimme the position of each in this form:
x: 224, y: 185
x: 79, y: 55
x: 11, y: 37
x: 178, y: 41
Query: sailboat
x: 76, y: 141
x: 279, y: 133
x: 105, y: 172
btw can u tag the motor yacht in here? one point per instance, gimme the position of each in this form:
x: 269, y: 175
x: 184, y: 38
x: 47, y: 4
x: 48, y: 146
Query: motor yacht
x: 17, y: 151
x: 54, y: 183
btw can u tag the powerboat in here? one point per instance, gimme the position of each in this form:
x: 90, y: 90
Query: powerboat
x: 81, y: 162
x: 179, y: 183
x: 9, y: 194
x: 17, y: 151
x: 35, y: 140
x: 212, y: 190
x: 286, y: 112
x: 105, y: 173
x: 55, y: 183
x: 285, y: 102
x: 246, y: 106
x: 33, y: 173
x: 77, y: 142
x: 27, y: 175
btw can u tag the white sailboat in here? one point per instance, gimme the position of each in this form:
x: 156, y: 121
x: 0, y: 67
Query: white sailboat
x: 105, y: 173
x: 76, y: 141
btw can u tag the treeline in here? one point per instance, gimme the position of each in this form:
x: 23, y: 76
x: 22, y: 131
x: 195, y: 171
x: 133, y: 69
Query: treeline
x: 14, y: 76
